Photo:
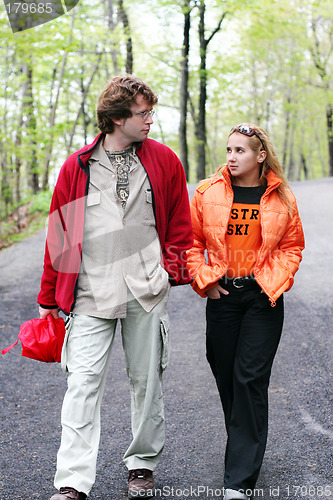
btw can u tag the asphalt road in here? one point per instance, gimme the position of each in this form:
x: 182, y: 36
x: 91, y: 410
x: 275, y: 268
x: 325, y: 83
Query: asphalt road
x: 298, y: 460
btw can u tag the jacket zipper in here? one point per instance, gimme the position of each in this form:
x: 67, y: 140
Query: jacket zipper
x: 272, y: 301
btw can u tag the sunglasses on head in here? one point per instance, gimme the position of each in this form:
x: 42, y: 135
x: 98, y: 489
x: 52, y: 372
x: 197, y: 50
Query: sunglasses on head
x: 246, y: 130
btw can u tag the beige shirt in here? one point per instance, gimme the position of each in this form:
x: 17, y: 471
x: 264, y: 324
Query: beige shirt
x: 121, y: 248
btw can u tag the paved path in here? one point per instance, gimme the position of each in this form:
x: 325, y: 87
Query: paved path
x: 298, y: 460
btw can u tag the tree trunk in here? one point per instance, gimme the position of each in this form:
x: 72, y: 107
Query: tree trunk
x: 5, y: 180
x: 112, y: 24
x: 6, y: 173
x: 127, y: 31
x: 291, y: 163
x: 18, y: 162
x: 256, y: 114
x: 286, y: 138
x: 18, y: 138
x: 31, y: 128
x: 184, y: 90
x: 324, y: 72
x: 20, y: 125
x: 329, y: 121
x: 304, y: 166
x: 82, y: 110
x: 85, y: 118
x: 53, y: 110
x: 200, y: 124
x: 81, y: 107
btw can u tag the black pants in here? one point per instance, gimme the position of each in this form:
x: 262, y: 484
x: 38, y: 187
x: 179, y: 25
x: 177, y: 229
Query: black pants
x: 243, y: 333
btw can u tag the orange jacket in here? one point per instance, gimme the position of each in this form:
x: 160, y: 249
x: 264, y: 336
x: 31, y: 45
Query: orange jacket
x: 282, y: 237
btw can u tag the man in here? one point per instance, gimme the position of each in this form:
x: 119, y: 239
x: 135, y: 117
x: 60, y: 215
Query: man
x: 118, y: 232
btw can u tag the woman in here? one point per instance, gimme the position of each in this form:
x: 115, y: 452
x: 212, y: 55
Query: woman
x: 246, y: 220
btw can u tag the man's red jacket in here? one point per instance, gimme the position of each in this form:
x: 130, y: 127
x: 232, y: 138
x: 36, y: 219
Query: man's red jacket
x: 66, y: 221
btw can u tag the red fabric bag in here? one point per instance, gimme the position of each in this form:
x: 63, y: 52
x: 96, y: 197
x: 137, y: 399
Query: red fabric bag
x: 41, y: 339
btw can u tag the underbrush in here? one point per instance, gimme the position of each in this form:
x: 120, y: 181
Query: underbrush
x: 25, y: 220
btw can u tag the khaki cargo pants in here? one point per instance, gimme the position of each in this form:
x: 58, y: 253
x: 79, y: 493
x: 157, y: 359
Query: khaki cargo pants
x: 85, y: 356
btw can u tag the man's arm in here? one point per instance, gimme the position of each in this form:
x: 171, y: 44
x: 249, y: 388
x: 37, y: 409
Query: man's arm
x: 179, y: 234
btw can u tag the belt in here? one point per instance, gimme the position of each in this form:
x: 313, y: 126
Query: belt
x: 239, y: 282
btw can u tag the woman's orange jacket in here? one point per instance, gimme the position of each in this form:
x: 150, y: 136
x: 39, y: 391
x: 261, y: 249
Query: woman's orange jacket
x: 282, y: 237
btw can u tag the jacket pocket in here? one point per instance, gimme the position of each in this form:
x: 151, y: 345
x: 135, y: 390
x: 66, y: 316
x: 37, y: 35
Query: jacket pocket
x: 93, y: 199
x: 165, y: 349
x: 148, y: 215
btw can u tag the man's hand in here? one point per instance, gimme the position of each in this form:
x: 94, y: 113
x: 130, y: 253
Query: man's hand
x: 215, y: 293
x: 44, y: 312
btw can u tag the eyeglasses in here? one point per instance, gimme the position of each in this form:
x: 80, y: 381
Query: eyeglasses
x: 246, y: 130
x: 144, y: 114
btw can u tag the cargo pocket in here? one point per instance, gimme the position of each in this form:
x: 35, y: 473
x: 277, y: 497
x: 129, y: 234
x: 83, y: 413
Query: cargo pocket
x: 165, y: 350
x: 68, y: 327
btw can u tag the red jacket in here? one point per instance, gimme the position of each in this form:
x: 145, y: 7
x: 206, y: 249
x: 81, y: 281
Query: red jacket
x: 62, y: 258
x: 282, y: 237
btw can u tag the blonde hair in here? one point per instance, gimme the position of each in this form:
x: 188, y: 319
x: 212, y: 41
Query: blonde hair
x: 261, y: 141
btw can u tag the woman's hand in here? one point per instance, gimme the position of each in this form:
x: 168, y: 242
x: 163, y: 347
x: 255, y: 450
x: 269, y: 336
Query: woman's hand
x: 215, y: 293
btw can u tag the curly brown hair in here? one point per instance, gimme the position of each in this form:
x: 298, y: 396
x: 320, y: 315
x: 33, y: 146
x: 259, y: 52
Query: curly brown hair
x: 117, y: 98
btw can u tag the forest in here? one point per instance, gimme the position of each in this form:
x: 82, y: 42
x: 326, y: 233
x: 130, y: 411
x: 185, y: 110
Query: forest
x: 213, y: 64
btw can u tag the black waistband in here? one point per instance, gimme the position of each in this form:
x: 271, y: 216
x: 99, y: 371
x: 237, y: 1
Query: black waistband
x: 239, y: 282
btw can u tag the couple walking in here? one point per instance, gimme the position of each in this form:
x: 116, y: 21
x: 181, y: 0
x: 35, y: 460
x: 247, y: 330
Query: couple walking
x: 120, y: 234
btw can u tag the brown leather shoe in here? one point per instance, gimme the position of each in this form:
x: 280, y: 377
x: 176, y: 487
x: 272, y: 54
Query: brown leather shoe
x: 140, y: 483
x: 69, y: 494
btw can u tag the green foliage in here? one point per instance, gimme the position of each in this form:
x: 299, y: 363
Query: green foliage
x: 41, y: 203
x: 260, y: 67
